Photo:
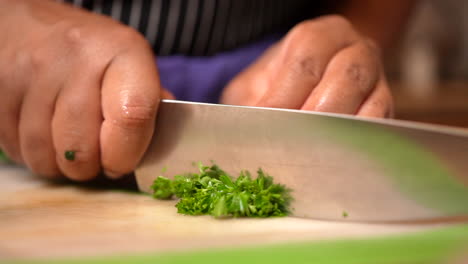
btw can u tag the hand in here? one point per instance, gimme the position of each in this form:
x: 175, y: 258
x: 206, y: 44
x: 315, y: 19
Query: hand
x: 320, y: 65
x: 74, y: 81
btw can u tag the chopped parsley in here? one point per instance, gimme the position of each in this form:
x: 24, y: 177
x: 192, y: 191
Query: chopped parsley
x: 213, y: 192
x: 3, y: 157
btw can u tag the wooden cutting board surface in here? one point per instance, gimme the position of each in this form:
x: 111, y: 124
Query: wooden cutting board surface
x: 39, y: 219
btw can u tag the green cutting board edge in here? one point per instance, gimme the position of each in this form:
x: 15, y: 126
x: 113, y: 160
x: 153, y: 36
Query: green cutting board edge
x: 436, y: 246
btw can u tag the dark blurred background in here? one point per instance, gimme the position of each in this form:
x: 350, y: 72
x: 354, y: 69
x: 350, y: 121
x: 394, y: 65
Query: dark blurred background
x: 428, y: 70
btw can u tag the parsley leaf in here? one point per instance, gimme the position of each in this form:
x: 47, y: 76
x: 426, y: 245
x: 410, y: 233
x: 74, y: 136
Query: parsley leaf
x: 3, y: 157
x: 345, y: 214
x: 163, y: 188
x: 213, y: 192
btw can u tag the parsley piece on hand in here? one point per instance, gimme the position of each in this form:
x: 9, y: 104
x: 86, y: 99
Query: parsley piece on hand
x: 3, y: 157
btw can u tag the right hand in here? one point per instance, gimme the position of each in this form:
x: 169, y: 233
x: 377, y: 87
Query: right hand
x: 75, y: 81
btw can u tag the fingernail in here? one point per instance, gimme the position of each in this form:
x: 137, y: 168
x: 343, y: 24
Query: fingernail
x: 112, y: 174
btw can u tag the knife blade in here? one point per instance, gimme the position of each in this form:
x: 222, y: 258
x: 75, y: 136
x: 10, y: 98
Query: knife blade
x: 340, y: 167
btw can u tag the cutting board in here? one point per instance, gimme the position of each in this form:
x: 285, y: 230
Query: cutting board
x: 40, y: 219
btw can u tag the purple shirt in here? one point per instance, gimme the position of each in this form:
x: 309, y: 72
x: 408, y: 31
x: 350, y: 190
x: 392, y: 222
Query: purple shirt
x: 202, y: 79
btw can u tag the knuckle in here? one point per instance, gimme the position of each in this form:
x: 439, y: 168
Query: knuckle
x: 75, y: 37
x: 135, y: 117
x: 307, y: 26
x: 300, y: 35
x: 307, y: 66
x: 359, y: 74
x: 371, y: 45
x: 83, y: 42
x: 301, y: 29
x: 338, y: 21
x: 75, y: 108
x: 126, y: 36
x: 129, y: 33
x: 36, y: 60
x: 79, y: 44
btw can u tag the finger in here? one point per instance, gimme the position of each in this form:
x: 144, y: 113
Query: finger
x: 348, y: 80
x: 165, y: 94
x: 304, y: 54
x: 35, y: 130
x: 249, y: 86
x: 130, y: 96
x: 379, y: 103
x: 10, y: 102
x: 76, y: 126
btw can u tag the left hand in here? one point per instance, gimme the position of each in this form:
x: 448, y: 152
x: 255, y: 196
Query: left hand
x: 322, y: 65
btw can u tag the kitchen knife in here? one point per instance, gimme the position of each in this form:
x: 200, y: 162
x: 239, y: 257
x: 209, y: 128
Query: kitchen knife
x: 340, y: 167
